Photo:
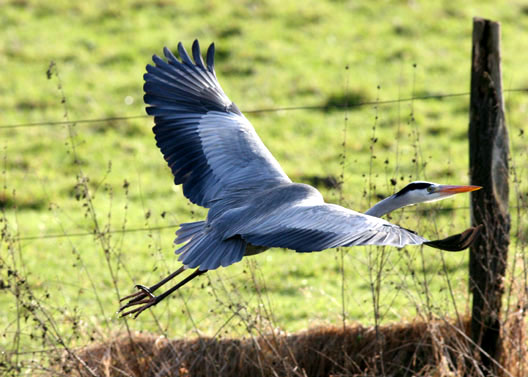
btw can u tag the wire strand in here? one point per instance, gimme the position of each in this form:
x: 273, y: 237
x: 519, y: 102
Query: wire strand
x: 257, y: 111
x: 92, y: 233
x: 154, y: 228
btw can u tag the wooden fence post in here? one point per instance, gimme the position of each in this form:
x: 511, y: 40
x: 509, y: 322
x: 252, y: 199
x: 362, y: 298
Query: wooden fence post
x: 488, y: 156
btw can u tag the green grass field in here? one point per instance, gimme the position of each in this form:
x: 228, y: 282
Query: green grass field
x: 270, y: 54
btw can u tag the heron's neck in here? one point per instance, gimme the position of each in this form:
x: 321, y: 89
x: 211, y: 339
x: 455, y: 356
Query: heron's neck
x: 387, y: 205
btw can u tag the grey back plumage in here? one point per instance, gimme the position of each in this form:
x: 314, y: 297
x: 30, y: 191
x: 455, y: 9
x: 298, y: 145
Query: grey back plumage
x: 215, y: 153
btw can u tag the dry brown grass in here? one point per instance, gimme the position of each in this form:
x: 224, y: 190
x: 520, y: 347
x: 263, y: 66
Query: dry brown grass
x: 434, y: 348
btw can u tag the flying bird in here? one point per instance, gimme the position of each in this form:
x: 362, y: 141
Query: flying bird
x: 222, y: 164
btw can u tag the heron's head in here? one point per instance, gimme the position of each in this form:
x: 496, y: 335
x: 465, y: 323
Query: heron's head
x: 421, y: 192
x: 417, y: 192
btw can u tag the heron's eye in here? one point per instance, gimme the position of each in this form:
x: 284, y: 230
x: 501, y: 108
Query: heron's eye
x: 430, y: 189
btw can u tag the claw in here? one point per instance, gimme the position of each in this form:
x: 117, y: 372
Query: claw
x: 137, y: 311
x: 136, y: 297
x: 133, y: 295
x: 143, y: 296
x: 145, y: 289
x: 145, y: 303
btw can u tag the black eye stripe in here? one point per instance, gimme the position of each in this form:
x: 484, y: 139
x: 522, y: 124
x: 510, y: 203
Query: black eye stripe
x: 413, y: 186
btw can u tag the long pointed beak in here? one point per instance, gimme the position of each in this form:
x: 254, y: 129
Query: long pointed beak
x: 445, y: 189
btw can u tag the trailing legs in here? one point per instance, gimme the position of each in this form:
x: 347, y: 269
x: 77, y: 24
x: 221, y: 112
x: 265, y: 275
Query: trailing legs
x: 145, y: 296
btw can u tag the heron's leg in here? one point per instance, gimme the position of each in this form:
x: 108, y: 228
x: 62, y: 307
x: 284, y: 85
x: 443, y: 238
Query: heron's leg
x: 153, y: 300
x: 149, y: 291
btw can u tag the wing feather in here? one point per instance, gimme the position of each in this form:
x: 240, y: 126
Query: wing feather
x: 320, y: 226
x: 211, y: 148
x: 210, y: 59
x: 183, y: 54
x: 197, y: 55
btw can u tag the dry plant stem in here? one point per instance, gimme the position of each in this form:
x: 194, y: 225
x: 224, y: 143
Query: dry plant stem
x: 83, y: 183
x: 341, y: 199
x: 34, y: 306
x: 147, y: 299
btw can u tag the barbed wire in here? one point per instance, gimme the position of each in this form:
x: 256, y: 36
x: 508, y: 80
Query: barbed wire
x: 258, y: 111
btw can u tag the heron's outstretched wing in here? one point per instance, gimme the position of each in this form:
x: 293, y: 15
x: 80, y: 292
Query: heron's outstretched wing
x: 322, y: 226
x: 211, y: 148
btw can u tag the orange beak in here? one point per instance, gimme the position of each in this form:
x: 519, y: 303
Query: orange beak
x: 450, y: 190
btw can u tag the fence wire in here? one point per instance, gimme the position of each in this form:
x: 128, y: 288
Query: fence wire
x: 174, y: 226
x: 258, y: 111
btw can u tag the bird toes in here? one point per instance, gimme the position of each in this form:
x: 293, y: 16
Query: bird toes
x: 143, y: 297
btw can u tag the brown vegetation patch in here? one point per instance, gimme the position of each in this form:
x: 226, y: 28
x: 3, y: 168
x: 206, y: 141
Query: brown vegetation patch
x: 435, y: 348
x: 419, y: 348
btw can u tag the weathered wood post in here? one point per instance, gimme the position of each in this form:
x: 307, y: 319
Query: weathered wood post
x: 488, y: 156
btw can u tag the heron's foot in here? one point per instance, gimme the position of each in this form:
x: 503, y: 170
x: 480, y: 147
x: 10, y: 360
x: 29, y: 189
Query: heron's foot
x: 143, y: 297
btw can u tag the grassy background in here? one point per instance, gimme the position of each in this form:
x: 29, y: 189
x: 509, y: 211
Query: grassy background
x: 270, y: 54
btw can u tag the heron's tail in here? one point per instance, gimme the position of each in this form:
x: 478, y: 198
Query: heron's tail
x: 205, y: 248
x: 188, y: 230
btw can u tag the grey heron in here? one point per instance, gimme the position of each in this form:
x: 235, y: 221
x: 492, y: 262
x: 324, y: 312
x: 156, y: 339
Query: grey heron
x: 218, y: 158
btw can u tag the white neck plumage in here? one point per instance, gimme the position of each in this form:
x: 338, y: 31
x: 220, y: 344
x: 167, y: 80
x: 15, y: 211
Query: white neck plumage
x: 387, y: 205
